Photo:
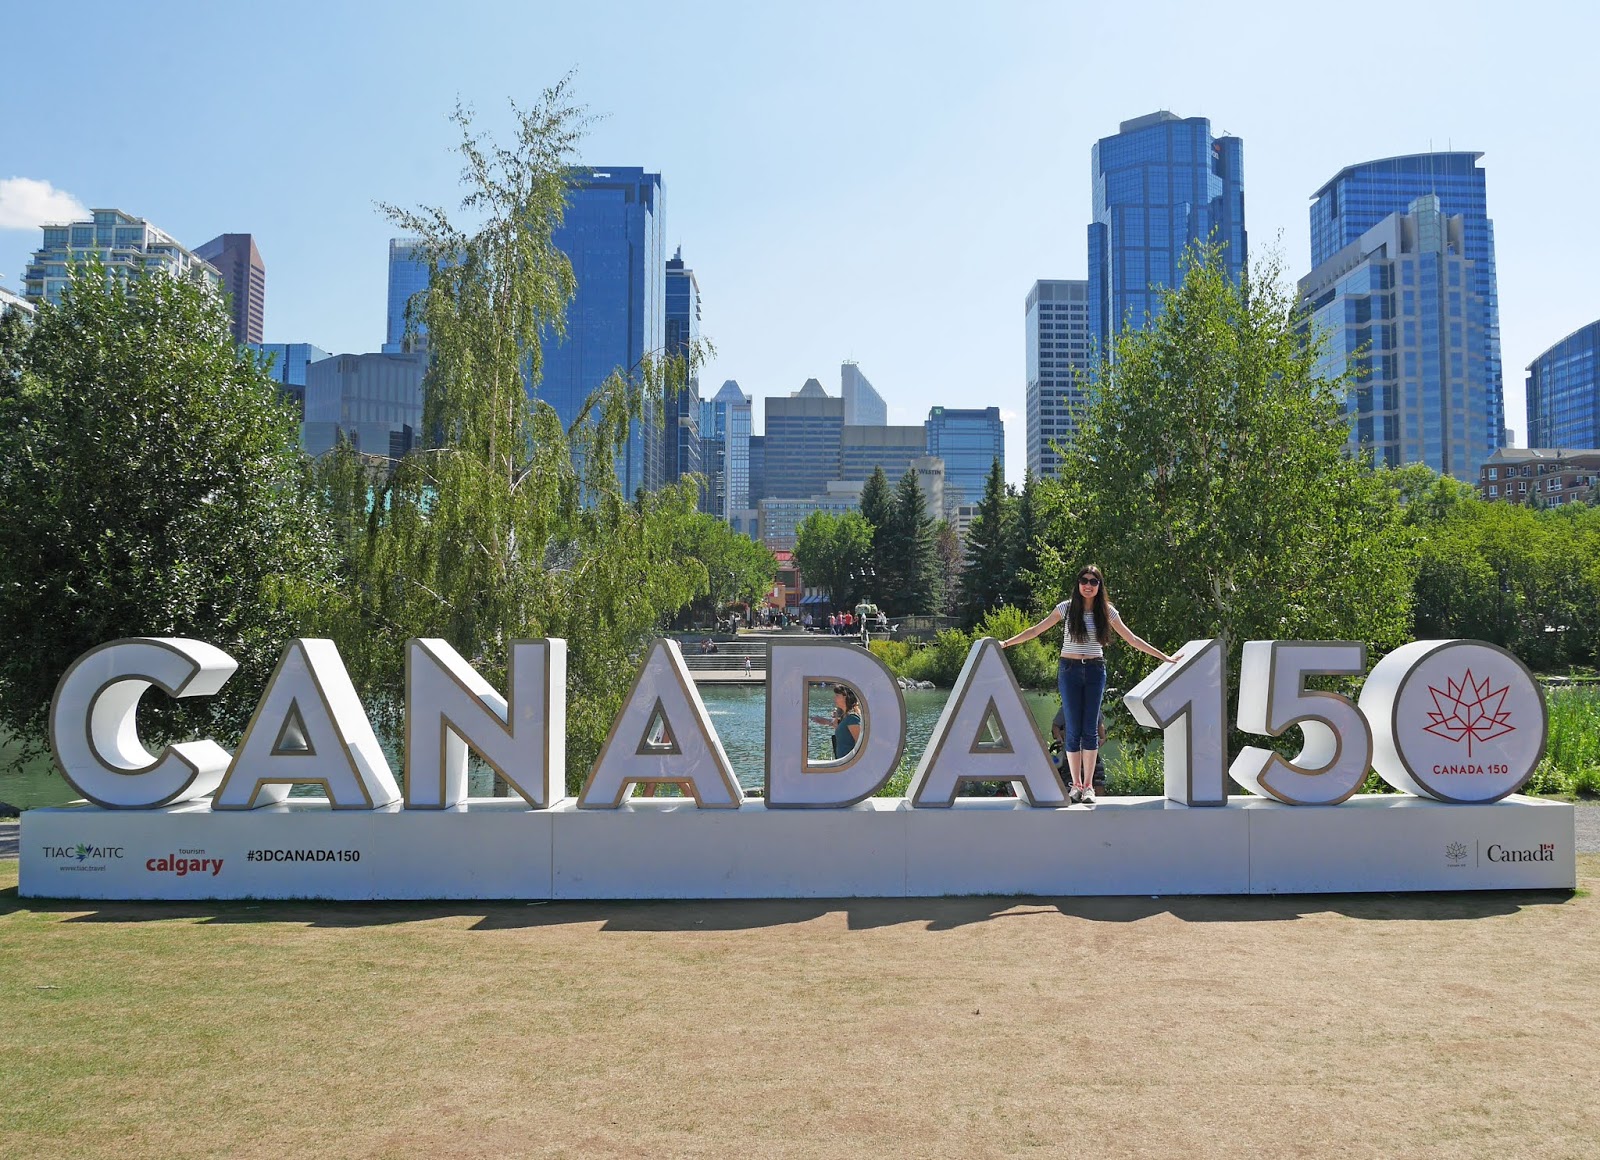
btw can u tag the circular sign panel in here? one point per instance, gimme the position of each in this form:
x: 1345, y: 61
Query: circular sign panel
x: 1457, y: 720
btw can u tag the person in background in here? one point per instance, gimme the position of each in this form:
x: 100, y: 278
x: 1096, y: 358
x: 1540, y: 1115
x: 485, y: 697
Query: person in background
x: 1081, y: 674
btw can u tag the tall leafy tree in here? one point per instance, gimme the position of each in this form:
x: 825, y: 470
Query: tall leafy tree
x: 834, y: 552
x: 990, y: 556
x: 1210, y: 479
x: 505, y: 525
x: 947, y: 565
x: 877, y: 508
x: 153, y: 487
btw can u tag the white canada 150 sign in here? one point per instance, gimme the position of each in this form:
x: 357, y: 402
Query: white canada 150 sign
x: 1457, y: 721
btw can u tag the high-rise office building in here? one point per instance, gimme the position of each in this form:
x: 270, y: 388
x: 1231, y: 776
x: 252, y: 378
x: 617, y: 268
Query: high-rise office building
x: 681, y: 431
x: 244, y: 280
x: 725, y: 451
x: 1358, y: 197
x: 1056, y: 325
x: 1161, y: 183
x: 863, y: 406
x: 758, y: 470
x: 127, y: 246
x: 803, y: 433
x: 408, y: 277
x: 969, y: 441
x: 287, y: 363
x: 612, y: 233
x: 895, y: 449
x: 1402, y: 313
x: 374, y: 400
x: 1564, y: 392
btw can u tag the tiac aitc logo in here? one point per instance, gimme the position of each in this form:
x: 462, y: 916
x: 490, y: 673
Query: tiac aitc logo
x: 1469, y: 711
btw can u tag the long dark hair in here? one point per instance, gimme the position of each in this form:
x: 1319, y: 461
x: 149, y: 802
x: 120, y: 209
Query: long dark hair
x: 1102, y: 617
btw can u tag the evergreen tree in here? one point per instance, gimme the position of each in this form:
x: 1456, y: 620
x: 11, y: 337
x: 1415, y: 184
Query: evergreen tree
x: 877, y: 508
x: 908, y: 571
x: 1024, y: 530
x: 987, y: 574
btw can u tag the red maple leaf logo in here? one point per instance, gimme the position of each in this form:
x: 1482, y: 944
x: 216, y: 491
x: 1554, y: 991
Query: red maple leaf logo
x: 1469, y: 711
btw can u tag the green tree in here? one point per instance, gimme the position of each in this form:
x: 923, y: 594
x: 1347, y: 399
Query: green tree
x: 1024, y: 531
x: 1210, y: 480
x: 737, y: 568
x: 834, y: 553
x: 154, y: 487
x: 506, y: 526
x: 907, y: 575
x: 13, y: 337
x: 991, y: 551
x: 948, y: 564
x: 877, y: 508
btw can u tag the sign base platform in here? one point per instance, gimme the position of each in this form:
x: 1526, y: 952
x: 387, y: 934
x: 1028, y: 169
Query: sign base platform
x: 655, y: 848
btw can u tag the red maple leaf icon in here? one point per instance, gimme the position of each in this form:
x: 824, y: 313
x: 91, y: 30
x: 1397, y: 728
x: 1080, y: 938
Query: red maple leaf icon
x: 1469, y: 711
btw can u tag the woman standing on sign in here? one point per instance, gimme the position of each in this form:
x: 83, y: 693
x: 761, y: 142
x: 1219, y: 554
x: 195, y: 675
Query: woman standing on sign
x: 1081, y: 675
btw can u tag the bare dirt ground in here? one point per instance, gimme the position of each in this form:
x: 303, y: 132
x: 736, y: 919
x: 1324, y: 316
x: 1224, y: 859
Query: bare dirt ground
x: 1382, y: 1025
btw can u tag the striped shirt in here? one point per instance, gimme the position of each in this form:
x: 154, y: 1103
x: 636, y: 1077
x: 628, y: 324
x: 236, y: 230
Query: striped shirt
x: 1089, y: 646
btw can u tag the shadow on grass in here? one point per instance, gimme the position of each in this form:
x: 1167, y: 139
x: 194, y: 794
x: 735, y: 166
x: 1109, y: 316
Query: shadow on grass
x: 860, y: 913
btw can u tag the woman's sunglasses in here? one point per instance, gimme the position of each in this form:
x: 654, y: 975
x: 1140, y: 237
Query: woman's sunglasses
x: 1091, y: 581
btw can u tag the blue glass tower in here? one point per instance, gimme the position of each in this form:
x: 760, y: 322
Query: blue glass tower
x: 681, y: 433
x: 612, y: 235
x: 289, y: 361
x: 1161, y: 183
x: 1564, y: 392
x: 969, y: 441
x: 1399, y: 310
x: 725, y: 451
x: 1358, y: 197
x: 408, y: 276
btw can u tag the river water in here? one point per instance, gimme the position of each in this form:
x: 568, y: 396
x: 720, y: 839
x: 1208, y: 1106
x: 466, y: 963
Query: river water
x: 738, y: 713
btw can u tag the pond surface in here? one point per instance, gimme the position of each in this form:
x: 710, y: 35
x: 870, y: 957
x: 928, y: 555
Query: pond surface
x: 739, y: 713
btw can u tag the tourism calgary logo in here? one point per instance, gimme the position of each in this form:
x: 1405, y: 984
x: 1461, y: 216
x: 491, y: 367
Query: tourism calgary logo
x: 1469, y: 711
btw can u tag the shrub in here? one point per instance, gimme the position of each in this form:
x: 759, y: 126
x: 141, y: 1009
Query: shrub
x: 1034, y: 663
x: 1136, y: 771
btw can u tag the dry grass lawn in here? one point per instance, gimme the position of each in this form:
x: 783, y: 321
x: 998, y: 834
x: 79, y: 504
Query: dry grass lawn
x: 1352, y: 1026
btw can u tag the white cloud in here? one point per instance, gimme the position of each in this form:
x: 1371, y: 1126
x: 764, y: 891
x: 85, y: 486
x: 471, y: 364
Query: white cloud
x: 27, y: 204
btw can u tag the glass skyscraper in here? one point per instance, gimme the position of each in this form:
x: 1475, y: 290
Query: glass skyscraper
x: 1564, y: 393
x: 612, y: 233
x: 408, y: 276
x: 1056, y: 324
x: 1161, y: 183
x: 681, y: 432
x: 969, y: 441
x: 1359, y: 196
x: 863, y: 406
x: 1400, y: 310
x: 289, y: 362
x: 725, y: 451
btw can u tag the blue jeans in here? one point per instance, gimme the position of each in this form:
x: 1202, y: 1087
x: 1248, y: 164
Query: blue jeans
x: 1081, y: 687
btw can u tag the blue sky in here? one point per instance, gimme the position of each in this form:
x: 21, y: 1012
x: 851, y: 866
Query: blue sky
x: 880, y: 182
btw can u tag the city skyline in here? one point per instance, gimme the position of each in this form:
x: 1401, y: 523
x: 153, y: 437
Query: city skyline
x: 814, y: 234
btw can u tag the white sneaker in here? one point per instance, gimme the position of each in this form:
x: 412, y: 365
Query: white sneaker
x: 1074, y: 796
x: 1087, y: 796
